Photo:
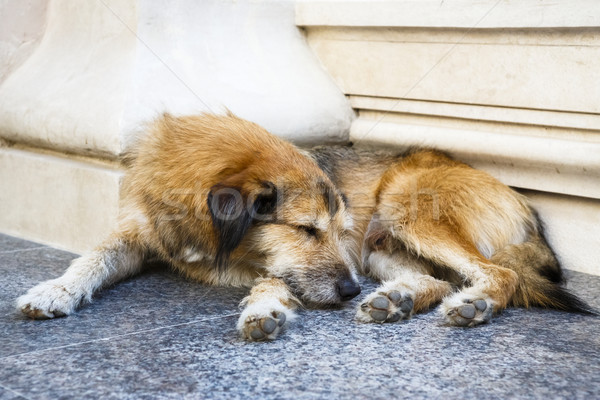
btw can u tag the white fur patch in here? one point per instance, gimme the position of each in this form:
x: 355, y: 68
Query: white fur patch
x: 133, y: 213
x: 348, y: 222
x: 485, y: 248
x: 385, y: 266
x: 191, y: 255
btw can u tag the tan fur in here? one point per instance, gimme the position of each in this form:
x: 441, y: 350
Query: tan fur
x: 454, y: 215
x: 182, y: 168
x: 224, y: 202
x: 184, y: 157
x: 424, y: 216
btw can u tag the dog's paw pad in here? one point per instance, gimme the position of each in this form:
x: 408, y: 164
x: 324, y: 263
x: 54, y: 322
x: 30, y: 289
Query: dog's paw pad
x: 258, y: 328
x: 383, y: 307
x: 469, y: 312
x: 47, y: 300
x: 37, y: 313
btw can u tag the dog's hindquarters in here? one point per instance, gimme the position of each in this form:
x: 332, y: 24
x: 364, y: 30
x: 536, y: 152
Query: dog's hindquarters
x: 461, y: 219
x: 465, y: 220
x: 455, y: 217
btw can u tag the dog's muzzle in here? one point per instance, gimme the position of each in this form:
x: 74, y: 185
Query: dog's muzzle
x: 348, y: 289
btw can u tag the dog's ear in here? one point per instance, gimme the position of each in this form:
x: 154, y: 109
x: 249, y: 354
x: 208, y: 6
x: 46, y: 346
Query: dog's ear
x: 234, y: 205
x: 265, y: 202
x: 230, y: 218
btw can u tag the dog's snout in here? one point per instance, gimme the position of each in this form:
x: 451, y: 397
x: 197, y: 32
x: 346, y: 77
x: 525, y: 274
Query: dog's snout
x: 348, y: 289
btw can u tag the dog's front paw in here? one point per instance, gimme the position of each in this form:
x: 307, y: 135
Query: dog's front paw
x: 384, y: 306
x: 467, y: 310
x: 258, y: 327
x: 49, y: 299
x: 263, y: 321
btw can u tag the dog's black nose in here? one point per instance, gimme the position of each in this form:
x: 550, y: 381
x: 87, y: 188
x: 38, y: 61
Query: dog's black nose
x: 348, y: 289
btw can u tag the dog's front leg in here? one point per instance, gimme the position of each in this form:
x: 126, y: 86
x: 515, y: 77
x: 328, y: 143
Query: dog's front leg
x: 268, y: 308
x: 116, y: 259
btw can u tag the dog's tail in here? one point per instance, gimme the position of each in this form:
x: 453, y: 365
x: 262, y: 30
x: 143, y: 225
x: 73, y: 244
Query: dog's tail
x: 541, y: 277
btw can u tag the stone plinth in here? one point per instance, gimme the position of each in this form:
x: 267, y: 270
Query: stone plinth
x: 82, y: 78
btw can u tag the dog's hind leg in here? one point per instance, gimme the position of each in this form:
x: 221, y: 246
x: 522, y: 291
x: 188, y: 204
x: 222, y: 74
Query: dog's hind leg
x: 487, y: 287
x: 268, y: 308
x: 406, y: 288
x: 491, y: 288
x: 397, y: 299
x: 118, y: 257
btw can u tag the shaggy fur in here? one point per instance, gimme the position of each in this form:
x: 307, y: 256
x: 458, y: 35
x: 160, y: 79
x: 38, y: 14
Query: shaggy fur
x: 436, y: 230
x: 226, y: 203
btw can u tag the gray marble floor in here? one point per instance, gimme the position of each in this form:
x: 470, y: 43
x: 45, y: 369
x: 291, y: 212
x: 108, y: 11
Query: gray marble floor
x: 158, y: 336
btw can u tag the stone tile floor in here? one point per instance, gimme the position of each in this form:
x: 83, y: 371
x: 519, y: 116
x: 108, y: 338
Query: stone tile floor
x: 157, y: 336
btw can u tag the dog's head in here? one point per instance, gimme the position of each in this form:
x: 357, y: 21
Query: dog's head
x: 283, y: 214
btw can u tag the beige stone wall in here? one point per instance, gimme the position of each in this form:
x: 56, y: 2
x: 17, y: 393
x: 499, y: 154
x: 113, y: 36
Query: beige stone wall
x: 510, y: 87
x: 80, y: 79
x: 65, y: 201
x: 20, y: 34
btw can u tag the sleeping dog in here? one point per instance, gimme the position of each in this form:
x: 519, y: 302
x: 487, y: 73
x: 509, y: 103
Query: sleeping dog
x: 225, y: 202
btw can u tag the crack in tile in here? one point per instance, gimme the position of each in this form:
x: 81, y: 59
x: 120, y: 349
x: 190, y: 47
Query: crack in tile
x: 28, y: 249
x: 14, y: 391
x: 108, y: 338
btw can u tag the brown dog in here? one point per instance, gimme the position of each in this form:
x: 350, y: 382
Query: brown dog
x: 225, y: 202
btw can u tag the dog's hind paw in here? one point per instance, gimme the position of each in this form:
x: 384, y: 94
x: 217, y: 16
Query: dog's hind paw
x: 383, y: 307
x: 47, y: 300
x: 467, y: 310
x: 260, y: 322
